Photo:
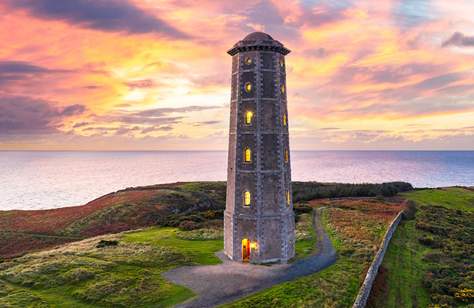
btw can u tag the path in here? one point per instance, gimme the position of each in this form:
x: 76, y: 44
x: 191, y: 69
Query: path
x: 226, y: 282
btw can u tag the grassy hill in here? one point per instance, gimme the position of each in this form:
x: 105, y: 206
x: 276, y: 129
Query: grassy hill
x: 356, y: 227
x: 124, y: 269
x: 185, y: 205
x: 429, y: 262
x: 120, y: 270
x: 430, y: 259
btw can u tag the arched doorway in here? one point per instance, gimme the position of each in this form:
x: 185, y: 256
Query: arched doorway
x: 245, y: 250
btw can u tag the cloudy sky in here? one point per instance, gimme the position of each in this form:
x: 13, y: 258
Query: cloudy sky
x: 154, y: 75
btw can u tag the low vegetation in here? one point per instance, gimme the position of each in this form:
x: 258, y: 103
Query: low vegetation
x: 356, y: 228
x: 429, y: 262
x: 306, y: 191
x: 305, y: 236
x: 189, y: 206
x: 121, y: 270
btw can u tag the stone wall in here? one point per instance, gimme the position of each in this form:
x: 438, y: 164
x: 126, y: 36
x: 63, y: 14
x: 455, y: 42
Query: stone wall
x: 366, y: 287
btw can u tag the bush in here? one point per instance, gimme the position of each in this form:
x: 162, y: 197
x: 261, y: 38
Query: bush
x: 410, y: 210
x: 106, y: 243
x: 188, y: 225
x: 430, y: 242
x: 77, y: 275
x: 302, y: 208
x: 305, y: 191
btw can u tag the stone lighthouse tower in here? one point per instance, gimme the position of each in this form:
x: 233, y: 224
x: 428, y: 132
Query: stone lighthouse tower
x: 259, y: 221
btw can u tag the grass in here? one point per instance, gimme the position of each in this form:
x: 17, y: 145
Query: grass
x: 429, y: 260
x: 198, y: 252
x: 335, y: 286
x: 355, y: 233
x: 453, y: 198
x: 406, y: 268
x: 82, y: 275
x: 305, y: 236
x: 190, y: 205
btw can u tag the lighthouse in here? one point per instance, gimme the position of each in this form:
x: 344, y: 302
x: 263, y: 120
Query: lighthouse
x: 259, y: 224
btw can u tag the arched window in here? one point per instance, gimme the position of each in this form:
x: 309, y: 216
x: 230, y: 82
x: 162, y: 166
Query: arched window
x: 247, y: 198
x: 282, y: 64
x: 248, y: 117
x: 286, y: 155
x: 288, y: 198
x: 248, y: 87
x: 248, y: 60
x: 248, y: 155
x: 284, y: 119
x: 282, y: 88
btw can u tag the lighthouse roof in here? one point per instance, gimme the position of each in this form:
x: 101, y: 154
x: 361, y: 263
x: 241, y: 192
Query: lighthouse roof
x: 258, y: 41
x: 258, y: 36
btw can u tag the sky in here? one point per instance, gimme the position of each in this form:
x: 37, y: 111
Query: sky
x: 155, y: 75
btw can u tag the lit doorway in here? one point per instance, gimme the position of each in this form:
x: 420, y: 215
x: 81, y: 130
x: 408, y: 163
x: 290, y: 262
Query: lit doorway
x: 245, y: 250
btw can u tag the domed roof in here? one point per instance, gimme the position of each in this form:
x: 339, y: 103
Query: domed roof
x: 258, y: 36
x: 258, y: 41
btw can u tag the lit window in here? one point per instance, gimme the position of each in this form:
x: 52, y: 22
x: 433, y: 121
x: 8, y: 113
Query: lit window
x: 248, y: 117
x: 248, y: 87
x: 288, y: 198
x: 247, y: 198
x: 286, y: 156
x: 248, y: 155
x: 284, y: 119
x: 248, y: 60
x: 282, y: 88
x: 282, y: 64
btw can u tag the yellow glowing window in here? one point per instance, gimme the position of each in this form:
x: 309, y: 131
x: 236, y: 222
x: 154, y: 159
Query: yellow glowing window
x: 248, y: 155
x: 286, y: 156
x: 248, y: 60
x: 247, y: 198
x: 281, y: 63
x: 248, y: 117
x: 284, y: 119
x: 282, y: 88
x: 248, y: 87
x: 288, y: 197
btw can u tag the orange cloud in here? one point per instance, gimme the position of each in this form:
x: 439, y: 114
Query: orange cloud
x: 361, y: 67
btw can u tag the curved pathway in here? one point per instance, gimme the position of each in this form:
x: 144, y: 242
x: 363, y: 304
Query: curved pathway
x: 226, y: 282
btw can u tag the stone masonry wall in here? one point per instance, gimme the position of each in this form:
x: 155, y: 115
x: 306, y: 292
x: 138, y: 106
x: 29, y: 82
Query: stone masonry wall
x: 364, y: 291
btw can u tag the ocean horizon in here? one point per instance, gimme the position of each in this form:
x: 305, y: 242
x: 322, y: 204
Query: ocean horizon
x: 52, y: 179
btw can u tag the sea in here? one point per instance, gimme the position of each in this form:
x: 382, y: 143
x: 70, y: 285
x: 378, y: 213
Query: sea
x: 31, y: 180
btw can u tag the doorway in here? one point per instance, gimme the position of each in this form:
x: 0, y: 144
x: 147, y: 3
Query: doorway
x: 245, y: 250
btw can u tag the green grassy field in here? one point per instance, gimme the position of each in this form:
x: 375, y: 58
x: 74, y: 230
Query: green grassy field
x: 452, y: 198
x: 356, y: 234
x: 429, y: 260
x: 82, y: 275
x: 128, y: 274
x: 127, y: 270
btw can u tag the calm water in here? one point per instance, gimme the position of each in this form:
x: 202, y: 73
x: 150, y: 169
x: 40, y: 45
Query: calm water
x: 39, y: 180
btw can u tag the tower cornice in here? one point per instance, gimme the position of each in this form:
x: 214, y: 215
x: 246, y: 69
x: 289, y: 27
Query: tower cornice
x: 258, y: 41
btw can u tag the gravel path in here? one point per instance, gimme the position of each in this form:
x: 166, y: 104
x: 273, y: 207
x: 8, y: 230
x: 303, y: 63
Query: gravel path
x: 226, y: 282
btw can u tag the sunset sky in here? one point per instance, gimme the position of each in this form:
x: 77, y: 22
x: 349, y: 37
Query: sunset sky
x: 155, y: 75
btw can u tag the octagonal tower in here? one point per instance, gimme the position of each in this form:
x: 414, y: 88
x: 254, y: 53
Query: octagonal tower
x: 259, y: 223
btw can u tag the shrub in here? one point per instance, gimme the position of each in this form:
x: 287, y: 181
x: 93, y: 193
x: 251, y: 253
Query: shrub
x: 106, y: 243
x: 302, y: 208
x: 430, y: 242
x: 305, y: 191
x: 188, y: 225
x: 410, y: 210
x: 78, y: 275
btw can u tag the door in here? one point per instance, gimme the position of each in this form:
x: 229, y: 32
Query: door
x: 245, y: 250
